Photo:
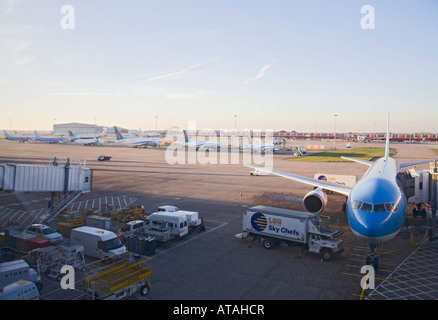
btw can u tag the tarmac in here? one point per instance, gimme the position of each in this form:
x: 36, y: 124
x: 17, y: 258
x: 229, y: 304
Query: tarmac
x: 214, y: 264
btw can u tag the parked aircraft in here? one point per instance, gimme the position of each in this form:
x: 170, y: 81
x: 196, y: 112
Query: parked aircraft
x: 204, y: 144
x: 137, y: 142
x: 15, y: 138
x: 84, y: 141
x: 376, y: 206
x: 262, y: 147
x: 51, y: 139
x: 91, y: 136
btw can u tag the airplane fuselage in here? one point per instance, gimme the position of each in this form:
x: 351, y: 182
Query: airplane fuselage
x: 376, y: 207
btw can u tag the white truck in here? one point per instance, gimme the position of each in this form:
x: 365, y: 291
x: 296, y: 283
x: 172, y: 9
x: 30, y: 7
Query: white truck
x: 98, y: 243
x: 276, y: 225
x: 194, y: 222
x: 20, y: 290
x: 16, y: 270
x: 342, y: 179
x: 174, y: 222
x: 132, y: 227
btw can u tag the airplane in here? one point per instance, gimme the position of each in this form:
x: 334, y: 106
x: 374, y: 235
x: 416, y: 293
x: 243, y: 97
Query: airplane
x: 91, y: 136
x: 137, y: 142
x: 50, y: 140
x: 204, y: 144
x: 84, y: 141
x: 263, y: 147
x: 376, y: 206
x: 20, y: 139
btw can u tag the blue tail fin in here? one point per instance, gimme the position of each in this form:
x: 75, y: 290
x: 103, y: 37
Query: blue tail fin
x: 186, y: 136
x: 118, y: 134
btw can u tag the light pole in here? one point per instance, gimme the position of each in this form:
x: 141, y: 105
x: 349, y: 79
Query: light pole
x: 235, y: 122
x: 156, y: 124
x: 335, y: 130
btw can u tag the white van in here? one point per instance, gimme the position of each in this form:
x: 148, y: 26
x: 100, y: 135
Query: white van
x: 16, y: 270
x: 20, y: 290
x: 98, y: 243
x: 175, y: 222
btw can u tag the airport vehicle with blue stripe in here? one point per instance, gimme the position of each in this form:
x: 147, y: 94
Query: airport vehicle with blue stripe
x: 376, y: 206
x: 277, y: 225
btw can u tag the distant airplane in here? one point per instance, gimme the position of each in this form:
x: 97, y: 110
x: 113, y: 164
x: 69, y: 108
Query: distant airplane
x: 15, y: 138
x: 376, y: 205
x: 263, y: 147
x: 90, y: 136
x: 137, y: 142
x: 50, y: 140
x: 84, y: 141
x: 204, y: 144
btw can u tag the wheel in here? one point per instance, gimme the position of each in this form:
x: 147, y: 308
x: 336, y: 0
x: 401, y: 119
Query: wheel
x: 144, y: 290
x: 326, y: 254
x: 39, y: 285
x: 268, y: 244
x: 373, y: 261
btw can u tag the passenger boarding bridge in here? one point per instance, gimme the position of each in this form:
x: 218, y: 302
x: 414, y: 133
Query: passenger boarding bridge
x: 421, y: 188
x: 65, y: 179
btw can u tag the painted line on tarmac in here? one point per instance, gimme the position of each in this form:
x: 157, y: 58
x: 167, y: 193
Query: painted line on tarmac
x: 191, y: 239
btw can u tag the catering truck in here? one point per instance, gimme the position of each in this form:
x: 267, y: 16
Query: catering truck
x: 277, y: 225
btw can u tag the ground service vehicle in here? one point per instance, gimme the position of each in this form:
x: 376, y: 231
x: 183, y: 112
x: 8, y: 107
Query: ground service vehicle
x: 98, y: 243
x: 16, y: 270
x: 276, y: 225
x: 20, y: 290
x: 103, y: 158
x: 175, y: 222
x: 119, y: 280
x: 133, y: 227
x: 194, y: 223
x: 43, y: 231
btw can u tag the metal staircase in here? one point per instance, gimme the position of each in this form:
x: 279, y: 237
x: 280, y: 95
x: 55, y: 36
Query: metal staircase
x: 60, y: 206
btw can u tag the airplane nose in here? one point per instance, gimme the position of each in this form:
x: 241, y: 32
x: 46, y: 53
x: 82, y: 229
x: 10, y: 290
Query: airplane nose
x: 373, y: 225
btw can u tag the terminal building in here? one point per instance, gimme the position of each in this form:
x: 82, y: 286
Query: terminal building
x: 77, y: 128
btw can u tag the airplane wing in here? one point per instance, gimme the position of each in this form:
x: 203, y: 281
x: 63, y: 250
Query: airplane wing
x: 306, y: 180
x: 407, y: 164
x: 368, y: 163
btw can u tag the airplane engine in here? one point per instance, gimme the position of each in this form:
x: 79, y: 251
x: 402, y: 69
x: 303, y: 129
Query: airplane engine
x: 315, y: 201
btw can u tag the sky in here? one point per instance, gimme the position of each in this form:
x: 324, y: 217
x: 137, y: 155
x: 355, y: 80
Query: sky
x: 253, y: 64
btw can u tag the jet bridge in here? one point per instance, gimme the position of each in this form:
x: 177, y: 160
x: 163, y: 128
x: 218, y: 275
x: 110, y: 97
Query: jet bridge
x: 66, y: 180
x: 421, y: 188
x: 51, y: 178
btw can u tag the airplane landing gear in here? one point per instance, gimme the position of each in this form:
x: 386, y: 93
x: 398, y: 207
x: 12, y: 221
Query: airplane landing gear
x: 372, y: 258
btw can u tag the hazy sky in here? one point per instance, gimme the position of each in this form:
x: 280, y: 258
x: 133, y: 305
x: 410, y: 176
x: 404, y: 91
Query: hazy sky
x: 279, y: 64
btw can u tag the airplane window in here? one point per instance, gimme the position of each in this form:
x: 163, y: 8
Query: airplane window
x: 379, y: 207
x: 367, y: 206
x: 357, y: 204
x: 391, y: 207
